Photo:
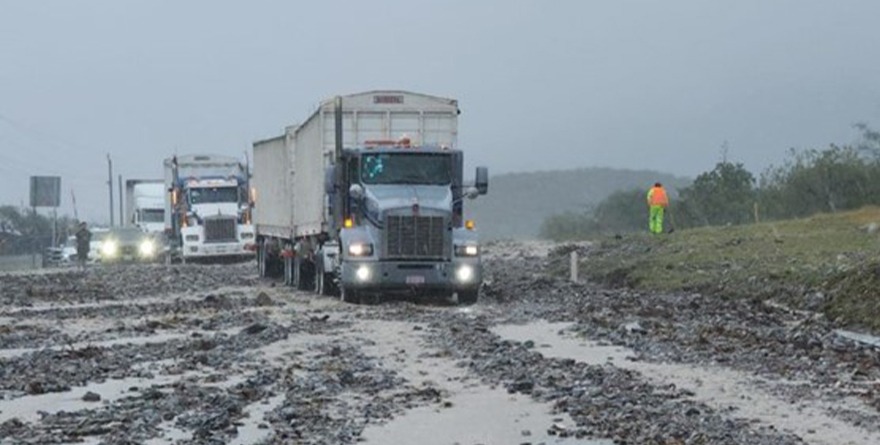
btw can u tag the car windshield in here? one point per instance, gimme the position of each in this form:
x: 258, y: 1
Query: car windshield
x: 406, y: 168
x: 152, y: 215
x: 211, y: 195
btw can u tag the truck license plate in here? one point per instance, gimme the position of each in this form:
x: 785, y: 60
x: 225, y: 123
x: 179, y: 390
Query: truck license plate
x: 415, y: 279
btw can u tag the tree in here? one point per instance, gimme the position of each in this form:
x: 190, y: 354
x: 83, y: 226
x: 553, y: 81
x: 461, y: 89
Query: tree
x: 622, y: 211
x: 724, y: 195
x: 837, y: 178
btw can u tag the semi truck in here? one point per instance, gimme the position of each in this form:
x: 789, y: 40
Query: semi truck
x: 208, y: 208
x: 145, y: 204
x: 365, y: 199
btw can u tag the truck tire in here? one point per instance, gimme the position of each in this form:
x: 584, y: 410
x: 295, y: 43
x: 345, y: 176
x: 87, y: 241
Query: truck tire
x: 304, y: 274
x: 268, y: 264
x: 262, y: 265
x: 467, y: 298
x: 348, y: 295
x: 287, y: 267
x: 323, y: 281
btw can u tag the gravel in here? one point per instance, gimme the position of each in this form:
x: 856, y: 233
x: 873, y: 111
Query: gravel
x: 218, y: 353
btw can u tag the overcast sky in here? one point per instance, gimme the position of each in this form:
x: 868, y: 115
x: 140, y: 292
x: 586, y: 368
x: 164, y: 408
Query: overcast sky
x: 542, y: 85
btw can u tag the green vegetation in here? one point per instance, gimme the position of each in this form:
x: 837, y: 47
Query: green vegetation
x: 837, y: 178
x: 826, y: 262
x: 518, y: 203
x: 22, y: 231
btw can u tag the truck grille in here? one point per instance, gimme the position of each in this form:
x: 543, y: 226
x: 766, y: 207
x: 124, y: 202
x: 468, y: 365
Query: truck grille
x: 415, y: 236
x: 219, y: 230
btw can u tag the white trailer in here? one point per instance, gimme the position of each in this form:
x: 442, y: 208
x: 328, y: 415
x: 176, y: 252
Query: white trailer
x: 145, y: 204
x: 302, y: 180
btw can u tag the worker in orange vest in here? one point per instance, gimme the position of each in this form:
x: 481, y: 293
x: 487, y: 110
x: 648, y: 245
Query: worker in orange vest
x: 657, y: 202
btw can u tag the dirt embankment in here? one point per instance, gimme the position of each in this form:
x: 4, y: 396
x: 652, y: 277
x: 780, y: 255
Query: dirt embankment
x: 826, y: 264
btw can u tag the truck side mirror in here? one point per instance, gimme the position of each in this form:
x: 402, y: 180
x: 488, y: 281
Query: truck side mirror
x: 471, y: 193
x: 356, y: 191
x: 482, y: 180
x: 330, y: 179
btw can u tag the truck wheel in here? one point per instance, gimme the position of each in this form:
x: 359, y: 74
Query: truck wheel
x: 467, y: 298
x: 287, y: 266
x: 348, y: 295
x: 319, y: 282
x: 304, y: 275
x: 261, y: 261
x: 323, y: 282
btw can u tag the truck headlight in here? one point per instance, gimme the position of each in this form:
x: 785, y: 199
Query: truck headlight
x: 109, y: 248
x: 360, y: 249
x: 147, y: 248
x: 467, y: 250
x: 465, y: 273
x: 362, y: 273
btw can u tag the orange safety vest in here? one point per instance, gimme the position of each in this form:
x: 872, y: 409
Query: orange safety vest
x: 657, y: 197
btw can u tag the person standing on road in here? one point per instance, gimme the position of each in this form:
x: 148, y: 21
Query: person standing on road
x: 83, y: 239
x: 657, y: 203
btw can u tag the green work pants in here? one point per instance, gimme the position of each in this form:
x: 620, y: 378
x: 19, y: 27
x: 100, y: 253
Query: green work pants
x: 655, y: 220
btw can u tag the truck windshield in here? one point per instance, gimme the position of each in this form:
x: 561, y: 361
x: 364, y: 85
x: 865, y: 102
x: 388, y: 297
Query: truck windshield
x: 211, y: 195
x: 406, y: 168
x: 152, y: 215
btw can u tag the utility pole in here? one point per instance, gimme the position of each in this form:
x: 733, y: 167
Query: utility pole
x: 73, y: 199
x: 121, y: 203
x: 110, y: 185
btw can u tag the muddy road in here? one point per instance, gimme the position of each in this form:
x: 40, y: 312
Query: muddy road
x: 212, y: 354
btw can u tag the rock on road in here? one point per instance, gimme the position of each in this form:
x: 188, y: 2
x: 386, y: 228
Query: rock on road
x: 212, y: 354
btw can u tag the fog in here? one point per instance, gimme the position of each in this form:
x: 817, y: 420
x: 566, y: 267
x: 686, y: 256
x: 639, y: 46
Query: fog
x: 542, y: 85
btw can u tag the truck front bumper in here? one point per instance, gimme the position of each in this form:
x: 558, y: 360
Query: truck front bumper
x: 461, y: 274
x: 238, y: 249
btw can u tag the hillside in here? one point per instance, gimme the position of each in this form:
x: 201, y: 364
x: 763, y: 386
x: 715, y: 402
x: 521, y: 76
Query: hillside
x: 518, y: 203
x: 825, y: 263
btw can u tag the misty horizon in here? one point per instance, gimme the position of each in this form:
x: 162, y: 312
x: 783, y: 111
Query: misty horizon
x: 541, y: 86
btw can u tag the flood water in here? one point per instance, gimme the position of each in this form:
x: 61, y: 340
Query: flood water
x: 721, y: 388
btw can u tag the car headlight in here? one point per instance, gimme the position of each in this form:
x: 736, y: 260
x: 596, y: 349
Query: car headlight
x: 465, y: 273
x: 109, y: 248
x: 147, y: 248
x: 360, y: 249
x: 467, y: 250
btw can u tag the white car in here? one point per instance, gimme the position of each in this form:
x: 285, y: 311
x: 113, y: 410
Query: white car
x: 68, y: 251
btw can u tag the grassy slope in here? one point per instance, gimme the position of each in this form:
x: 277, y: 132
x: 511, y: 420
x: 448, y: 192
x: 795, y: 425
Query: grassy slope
x: 826, y: 262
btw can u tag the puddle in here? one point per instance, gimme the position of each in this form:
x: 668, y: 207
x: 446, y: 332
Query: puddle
x: 717, y: 387
x: 861, y: 338
x: 27, y: 408
x: 548, y: 342
x: 478, y: 414
x: 250, y: 432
